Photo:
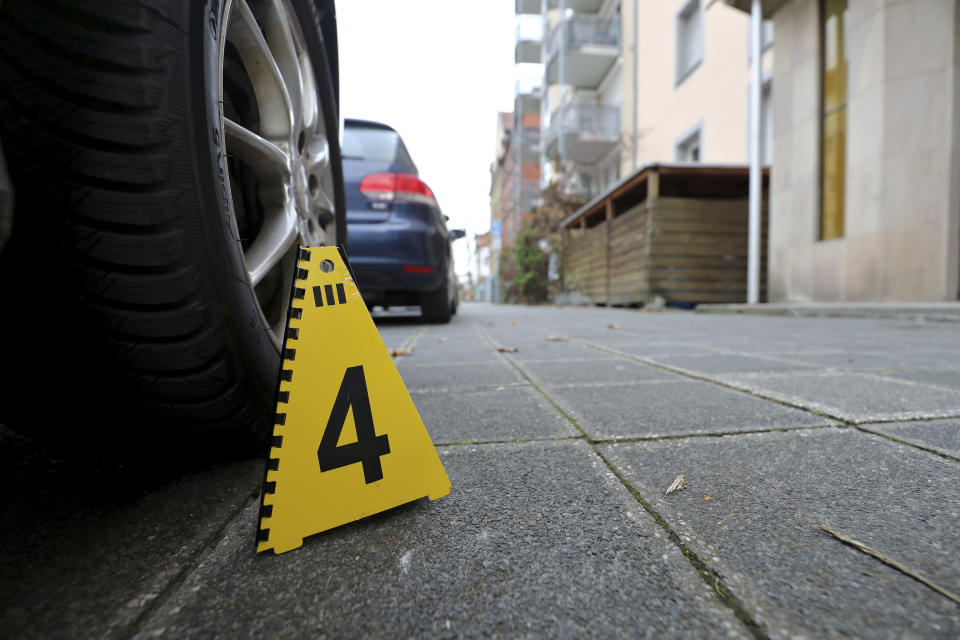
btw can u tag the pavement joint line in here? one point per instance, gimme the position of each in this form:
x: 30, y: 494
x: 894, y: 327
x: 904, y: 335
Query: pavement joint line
x: 844, y: 422
x: 514, y: 441
x: 712, y: 434
x: 887, y: 436
x: 471, y: 388
x: 135, y: 627
x: 696, y: 376
x: 410, y: 361
x: 710, y: 576
x: 412, y: 340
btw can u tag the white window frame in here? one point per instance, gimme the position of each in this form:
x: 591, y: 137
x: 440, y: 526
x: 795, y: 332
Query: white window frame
x: 684, y: 68
x: 682, y: 142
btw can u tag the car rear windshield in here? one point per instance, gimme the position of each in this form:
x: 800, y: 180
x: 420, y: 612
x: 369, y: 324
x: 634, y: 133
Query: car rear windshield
x: 374, y: 145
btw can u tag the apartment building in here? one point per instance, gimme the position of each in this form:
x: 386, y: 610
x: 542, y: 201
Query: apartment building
x: 865, y: 191
x: 686, y: 83
x: 580, y: 94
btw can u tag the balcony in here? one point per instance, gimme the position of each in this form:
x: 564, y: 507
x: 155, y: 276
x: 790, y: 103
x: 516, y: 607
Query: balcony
x: 588, y: 132
x: 526, y: 97
x: 585, y: 47
x: 526, y: 7
x: 528, y: 145
x: 584, y: 6
x: 528, y: 41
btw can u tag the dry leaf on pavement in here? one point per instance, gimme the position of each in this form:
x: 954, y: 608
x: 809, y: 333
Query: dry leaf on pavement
x: 678, y: 484
x: 441, y: 339
x: 507, y: 349
x: 613, y: 325
x: 399, y: 352
x: 558, y: 338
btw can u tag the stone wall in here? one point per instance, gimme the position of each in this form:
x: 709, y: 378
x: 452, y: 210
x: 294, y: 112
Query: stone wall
x: 902, y: 196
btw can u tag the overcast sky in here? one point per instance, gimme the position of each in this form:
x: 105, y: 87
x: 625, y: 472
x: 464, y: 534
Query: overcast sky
x: 437, y: 71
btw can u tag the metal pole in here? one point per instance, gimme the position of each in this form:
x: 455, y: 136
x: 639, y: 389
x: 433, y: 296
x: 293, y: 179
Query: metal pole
x: 756, y: 176
x: 636, y: 85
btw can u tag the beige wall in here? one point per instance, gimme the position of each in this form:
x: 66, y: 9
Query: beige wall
x: 902, y: 203
x: 715, y: 94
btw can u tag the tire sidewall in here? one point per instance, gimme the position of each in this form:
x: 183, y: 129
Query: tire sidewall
x: 239, y: 305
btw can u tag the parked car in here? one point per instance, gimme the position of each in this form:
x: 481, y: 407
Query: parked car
x: 167, y: 158
x: 400, y: 247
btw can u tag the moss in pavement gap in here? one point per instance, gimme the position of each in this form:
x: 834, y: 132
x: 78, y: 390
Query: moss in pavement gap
x: 885, y: 436
x: 713, y: 434
x: 713, y: 579
x: 708, y: 575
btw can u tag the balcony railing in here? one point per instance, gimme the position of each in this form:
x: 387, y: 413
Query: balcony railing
x: 588, y: 131
x: 586, y: 119
x: 580, y: 31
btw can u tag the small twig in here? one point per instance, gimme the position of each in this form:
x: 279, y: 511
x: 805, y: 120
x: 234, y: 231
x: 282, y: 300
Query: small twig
x: 890, y: 561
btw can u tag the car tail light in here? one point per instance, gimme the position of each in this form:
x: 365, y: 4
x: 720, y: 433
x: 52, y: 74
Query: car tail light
x: 397, y: 187
x: 416, y: 268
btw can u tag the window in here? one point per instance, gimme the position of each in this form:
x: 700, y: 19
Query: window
x: 689, y: 38
x: 833, y: 109
x: 688, y: 146
x: 375, y: 144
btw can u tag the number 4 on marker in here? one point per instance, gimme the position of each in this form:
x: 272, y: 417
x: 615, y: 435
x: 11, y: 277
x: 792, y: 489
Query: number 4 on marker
x: 369, y: 446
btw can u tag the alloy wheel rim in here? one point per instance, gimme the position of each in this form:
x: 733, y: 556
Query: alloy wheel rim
x: 281, y: 177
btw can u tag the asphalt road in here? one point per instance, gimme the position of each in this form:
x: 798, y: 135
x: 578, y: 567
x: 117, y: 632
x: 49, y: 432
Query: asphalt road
x: 558, y: 523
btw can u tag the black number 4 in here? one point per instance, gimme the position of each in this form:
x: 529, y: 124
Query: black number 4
x: 369, y: 446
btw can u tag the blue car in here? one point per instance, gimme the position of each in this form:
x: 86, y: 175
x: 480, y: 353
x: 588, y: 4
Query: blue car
x: 398, y: 241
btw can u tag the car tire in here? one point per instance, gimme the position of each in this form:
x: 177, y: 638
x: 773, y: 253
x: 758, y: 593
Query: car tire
x: 161, y: 195
x: 436, y: 305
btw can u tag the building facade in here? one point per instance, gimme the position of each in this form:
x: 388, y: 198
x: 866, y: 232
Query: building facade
x: 686, y: 83
x: 580, y: 93
x: 865, y: 195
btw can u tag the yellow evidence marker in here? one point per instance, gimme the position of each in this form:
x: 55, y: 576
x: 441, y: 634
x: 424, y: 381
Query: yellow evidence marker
x: 348, y: 441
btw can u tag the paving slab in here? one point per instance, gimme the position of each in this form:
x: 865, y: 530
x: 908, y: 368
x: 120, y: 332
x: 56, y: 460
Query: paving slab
x: 462, y: 374
x: 949, y: 378
x: 550, y: 350
x: 534, y: 540
x: 658, y: 348
x: 430, y: 351
x: 503, y: 413
x: 729, y: 363
x: 768, y: 493
x: 853, y: 397
x: 852, y: 360
x: 939, y: 435
x: 609, y: 369
x: 654, y: 409
x: 396, y: 336
x: 88, y: 547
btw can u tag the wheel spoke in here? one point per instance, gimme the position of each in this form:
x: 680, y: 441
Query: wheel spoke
x: 273, y: 98
x: 276, y: 28
x: 311, y: 108
x: 269, y: 161
x: 278, y: 234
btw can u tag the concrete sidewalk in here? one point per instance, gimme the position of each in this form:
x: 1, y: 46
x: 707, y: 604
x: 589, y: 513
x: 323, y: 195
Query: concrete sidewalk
x: 557, y: 523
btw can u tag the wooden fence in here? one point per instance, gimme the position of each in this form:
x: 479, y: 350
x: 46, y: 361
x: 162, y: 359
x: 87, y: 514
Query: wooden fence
x: 678, y: 232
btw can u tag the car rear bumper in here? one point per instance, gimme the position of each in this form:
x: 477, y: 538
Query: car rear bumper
x: 379, y: 253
